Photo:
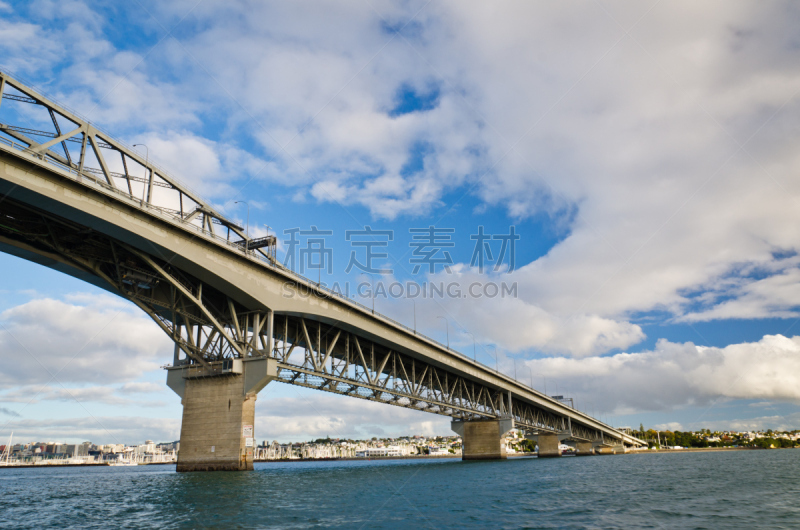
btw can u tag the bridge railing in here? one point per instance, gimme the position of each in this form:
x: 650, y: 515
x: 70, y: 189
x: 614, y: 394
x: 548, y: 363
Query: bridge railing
x: 150, y: 164
x: 87, y: 177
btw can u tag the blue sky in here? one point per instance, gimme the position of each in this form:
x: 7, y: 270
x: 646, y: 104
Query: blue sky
x: 645, y: 154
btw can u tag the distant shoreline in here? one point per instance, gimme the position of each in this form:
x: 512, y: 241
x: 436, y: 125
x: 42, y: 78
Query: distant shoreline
x: 417, y: 457
x: 348, y: 458
x: 708, y: 449
x: 356, y: 458
x: 91, y: 464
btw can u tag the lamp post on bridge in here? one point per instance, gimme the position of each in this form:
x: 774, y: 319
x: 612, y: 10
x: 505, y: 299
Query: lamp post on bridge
x: 372, y: 289
x: 415, y: 315
x: 248, y: 216
x: 495, y: 358
x: 447, y: 324
x: 474, y: 346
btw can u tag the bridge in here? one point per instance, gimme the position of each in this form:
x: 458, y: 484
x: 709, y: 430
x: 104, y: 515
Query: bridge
x: 81, y: 202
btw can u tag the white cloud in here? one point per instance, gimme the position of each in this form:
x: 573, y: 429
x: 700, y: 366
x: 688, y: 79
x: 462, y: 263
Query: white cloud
x: 775, y: 422
x: 770, y: 297
x: 675, y: 376
x: 101, y: 339
x: 495, y: 312
x: 670, y: 426
x: 202, y: 163
x: 642, y: 140
x: 141, y: 388
x: 107, y: 395
x: 99, y: 430
x: 24, y: 39
x: 788, y: 422
x: 313, y: 415
x: 639, y: 133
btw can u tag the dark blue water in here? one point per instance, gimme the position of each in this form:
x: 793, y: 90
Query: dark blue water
x: 737, y: 489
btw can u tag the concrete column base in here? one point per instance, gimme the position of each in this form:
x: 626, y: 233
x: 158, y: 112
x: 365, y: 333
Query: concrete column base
x: 217, y: 426
x: 481, y: 440
x: 584, y: 449
x: 217, y: 431
x: 548, y: 446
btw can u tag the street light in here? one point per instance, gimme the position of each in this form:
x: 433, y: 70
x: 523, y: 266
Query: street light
x: 415, y: 315
x: 146, y: 167
x: 474, y: 346
x: 372, y: 291
x: 447, y: 323
x: 515, y: 369
x: 495, y: 357
x: 248, y: 216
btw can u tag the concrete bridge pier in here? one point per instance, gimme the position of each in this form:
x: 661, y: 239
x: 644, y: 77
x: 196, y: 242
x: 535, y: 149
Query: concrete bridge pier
x: 584, y: 449
x: 548, y: 443
x: 609, y: 447
x: 482, y: 439
x: 602, y: 447
x: 217, y: 429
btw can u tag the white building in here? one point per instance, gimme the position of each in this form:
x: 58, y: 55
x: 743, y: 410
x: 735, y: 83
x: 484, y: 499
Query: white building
x: 392, y: 450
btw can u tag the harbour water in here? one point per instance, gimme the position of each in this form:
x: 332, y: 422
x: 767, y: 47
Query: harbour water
x: 736, y: 489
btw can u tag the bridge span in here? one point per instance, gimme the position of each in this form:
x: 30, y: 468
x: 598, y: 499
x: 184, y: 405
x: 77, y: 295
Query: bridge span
x: 78, y: 201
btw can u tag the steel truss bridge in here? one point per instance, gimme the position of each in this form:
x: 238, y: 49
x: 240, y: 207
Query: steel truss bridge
x: 86, y: 204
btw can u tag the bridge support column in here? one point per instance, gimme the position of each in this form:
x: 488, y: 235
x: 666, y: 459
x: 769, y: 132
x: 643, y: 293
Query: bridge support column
x: 602, y: 447
x: 217, y: 424
x: 548, y: 442
x: 482, y: 440
x: 548, y: 445
x: 584, y: 449
x: 217, y: 431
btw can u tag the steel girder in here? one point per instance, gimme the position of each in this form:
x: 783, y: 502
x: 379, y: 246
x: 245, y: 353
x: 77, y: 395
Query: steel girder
x: 325, y: 357
x: 204, y: 324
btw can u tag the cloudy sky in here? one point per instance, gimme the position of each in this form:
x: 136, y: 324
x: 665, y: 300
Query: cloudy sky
x: 645, y: 152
